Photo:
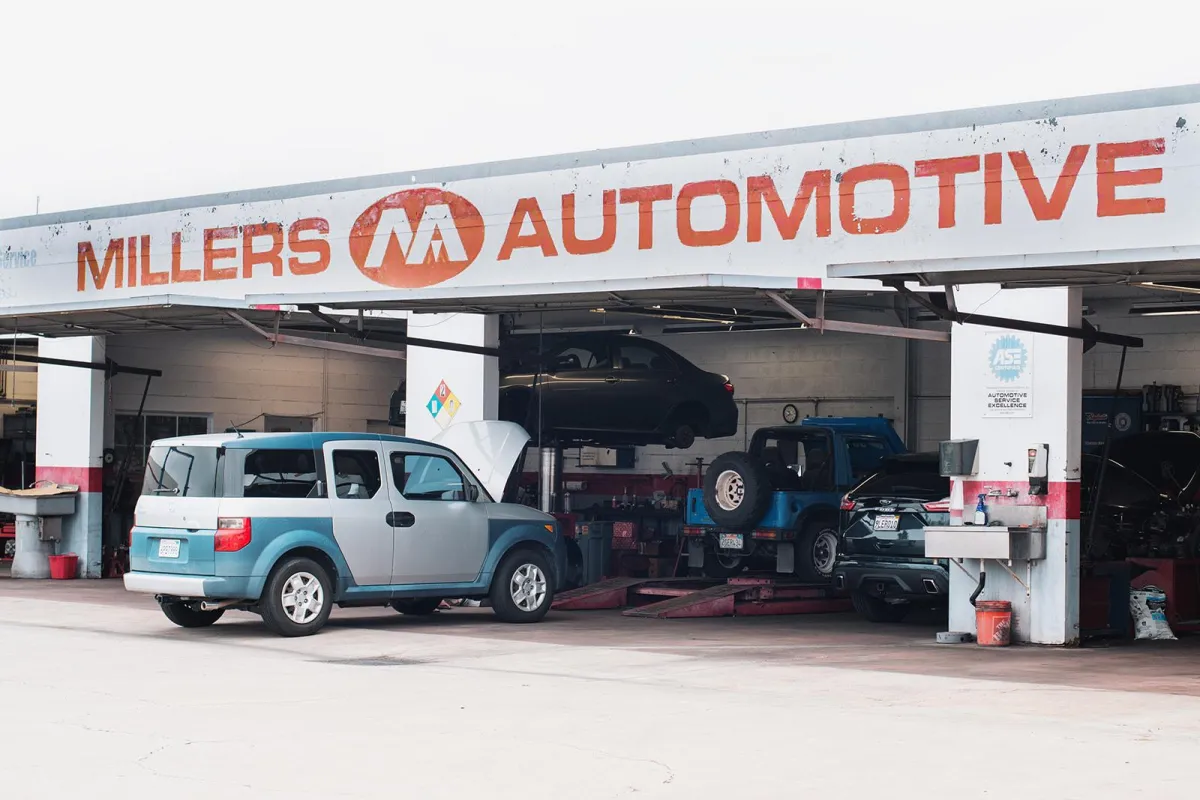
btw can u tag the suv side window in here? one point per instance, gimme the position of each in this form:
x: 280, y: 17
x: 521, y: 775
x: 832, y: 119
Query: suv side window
x: 637, y: 357
x: 356, y: 474
x: 279, y: 473
x: 427, y: 477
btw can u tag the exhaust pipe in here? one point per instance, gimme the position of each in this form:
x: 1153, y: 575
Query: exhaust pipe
x: 930, y: 586
x: 217, y: 605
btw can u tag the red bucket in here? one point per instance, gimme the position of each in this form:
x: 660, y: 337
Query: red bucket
x: 993, y: 623
x: 64, y: 567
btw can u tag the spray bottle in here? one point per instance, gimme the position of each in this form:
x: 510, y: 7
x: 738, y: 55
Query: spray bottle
x: 981, y: 511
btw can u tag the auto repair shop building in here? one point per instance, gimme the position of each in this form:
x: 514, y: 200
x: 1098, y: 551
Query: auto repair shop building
x: 815, y: 267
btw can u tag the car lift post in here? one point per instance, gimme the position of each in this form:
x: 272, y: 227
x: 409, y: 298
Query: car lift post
x: 550, y: 477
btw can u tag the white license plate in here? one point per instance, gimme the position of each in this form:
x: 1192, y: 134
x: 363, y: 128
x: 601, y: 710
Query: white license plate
x: 168, y: 548
x: 887, y: 522
x: 729, y: 541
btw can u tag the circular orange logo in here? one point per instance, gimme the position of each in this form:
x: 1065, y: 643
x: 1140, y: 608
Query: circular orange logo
x: 416, y: 237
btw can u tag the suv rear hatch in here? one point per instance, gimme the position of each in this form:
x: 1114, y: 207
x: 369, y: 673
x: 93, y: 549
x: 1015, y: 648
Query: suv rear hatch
x: 886, y: 514
x: 176, y: 519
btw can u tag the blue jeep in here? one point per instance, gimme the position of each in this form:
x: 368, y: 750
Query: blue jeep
x: 777, y: 506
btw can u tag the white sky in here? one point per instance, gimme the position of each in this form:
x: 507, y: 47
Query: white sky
x: 112, y: 102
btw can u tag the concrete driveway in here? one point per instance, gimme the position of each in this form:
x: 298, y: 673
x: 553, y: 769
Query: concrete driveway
x: 102, y: 695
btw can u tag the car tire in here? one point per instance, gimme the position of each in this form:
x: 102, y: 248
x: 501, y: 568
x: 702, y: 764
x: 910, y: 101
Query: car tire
x: 737, y: 491
x: 683, y: 437
x: 523, y: 587
x: 722, y: 567
x: 874, y: 609
x: 297, y: 598
x: 417, y: 606
x: 816, y: 551
x: 186, y: 615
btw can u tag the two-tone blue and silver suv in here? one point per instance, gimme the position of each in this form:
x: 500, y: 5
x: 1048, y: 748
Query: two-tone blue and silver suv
x: 290, y: 524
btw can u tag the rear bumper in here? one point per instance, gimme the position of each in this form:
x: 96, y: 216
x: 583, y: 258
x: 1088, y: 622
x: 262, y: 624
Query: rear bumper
x: 920, y: 581
x: 189, y: 586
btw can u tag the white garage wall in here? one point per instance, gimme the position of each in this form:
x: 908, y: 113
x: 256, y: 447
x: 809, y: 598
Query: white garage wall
x: 1171, y: 354
x: 235, y: 377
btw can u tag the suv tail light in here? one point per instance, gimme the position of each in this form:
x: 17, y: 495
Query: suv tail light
x: 941, y: 506
x: 848, y: 504
x: 729, y: 387
x: 233, y: 533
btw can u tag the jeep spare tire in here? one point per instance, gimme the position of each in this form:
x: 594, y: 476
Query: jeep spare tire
x: 737, y: 491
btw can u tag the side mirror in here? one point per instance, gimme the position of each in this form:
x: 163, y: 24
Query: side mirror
x: 472, y: 493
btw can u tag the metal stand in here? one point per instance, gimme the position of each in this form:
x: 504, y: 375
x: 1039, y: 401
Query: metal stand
x: 550, y: 478
x: 32, y: 557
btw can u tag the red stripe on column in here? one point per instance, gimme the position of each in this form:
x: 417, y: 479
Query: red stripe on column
x: 808, y: 283
x: 1061, y: 499
x: 88, y: 479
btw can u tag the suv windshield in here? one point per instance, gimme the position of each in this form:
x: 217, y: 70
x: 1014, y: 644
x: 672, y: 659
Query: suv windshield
x: 182, y: 471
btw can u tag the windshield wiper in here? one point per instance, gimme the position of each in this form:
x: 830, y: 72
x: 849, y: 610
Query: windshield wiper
x: 165, y: 490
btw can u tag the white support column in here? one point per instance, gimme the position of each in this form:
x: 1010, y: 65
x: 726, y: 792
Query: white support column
x: 1010, y: 390
x: 446, y: 387
x: 70, y: 441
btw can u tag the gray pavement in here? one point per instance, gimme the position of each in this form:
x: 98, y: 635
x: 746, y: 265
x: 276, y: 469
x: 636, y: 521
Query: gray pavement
x: 113, y: 701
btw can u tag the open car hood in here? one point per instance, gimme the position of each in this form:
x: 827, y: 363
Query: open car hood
x: 490, y: 449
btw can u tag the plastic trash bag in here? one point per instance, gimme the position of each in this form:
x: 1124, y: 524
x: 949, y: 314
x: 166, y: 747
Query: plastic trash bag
x: 1148, y: 607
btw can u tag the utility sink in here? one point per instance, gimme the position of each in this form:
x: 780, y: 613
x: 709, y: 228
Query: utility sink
x: 44, y: 505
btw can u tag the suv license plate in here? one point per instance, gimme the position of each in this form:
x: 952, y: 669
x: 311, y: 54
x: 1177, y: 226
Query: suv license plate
x: 729, y: 541
x: 887, y: 522
x: 168, y: 548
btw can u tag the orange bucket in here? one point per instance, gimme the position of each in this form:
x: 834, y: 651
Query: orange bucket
x: 64, y: 567
x: 993, y: 623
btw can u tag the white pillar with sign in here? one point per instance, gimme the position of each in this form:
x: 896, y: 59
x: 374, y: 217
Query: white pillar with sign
x: 445, y: 387
x: 1019, y: 395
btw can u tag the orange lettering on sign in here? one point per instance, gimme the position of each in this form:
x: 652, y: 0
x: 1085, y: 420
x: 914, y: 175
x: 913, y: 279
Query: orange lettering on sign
x: 993, y: 187
x: 1052, y: 207
x: 149, y: 276
x: 527, y: 208
x: 946, y: 170
x: 178, y: 273
x: 131, y: 262
x: 273, y: 256
x: 728, y: 192
x: 114, y: 262
x: 1108, y: 179
x: 901, y: 198
x: 214, y: 254
x: 608, y: 233
x: 760, y: 189
x: 311, y: 246
x: 646, y: 197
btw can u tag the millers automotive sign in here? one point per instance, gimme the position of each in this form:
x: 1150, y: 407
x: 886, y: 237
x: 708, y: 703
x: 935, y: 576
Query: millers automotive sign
x: 1104, y: 181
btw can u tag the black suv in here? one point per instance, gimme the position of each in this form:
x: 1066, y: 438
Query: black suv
x: 882, y: 561
x: 611, y: 389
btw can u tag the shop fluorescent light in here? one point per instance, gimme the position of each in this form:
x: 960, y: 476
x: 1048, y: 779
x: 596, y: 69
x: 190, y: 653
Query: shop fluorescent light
x: 1164, y: 309
x: 1184, y: 287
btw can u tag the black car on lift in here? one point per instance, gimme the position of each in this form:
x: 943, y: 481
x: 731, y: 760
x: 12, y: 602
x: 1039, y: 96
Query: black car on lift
x: 882, y: 560
x: 614, y: 389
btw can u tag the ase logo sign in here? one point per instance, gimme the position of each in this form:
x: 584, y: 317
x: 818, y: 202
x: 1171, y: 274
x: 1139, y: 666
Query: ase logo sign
x: 1008, y: 358
x: 416, y: 238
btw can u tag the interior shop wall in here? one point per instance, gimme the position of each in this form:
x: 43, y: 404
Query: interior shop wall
x: 1171, y: 354
x: 17, y: 389
x: 236, y: 378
